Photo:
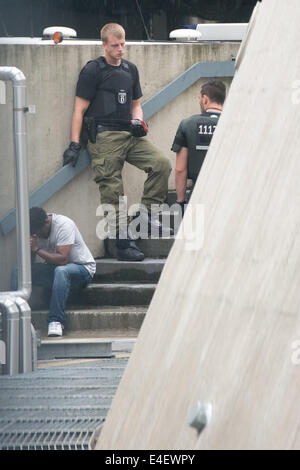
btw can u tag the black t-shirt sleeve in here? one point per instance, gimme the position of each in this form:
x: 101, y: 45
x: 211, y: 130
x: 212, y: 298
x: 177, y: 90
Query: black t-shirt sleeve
x: 136, y: 88
x: 87, y: 82
x: 179, y: 139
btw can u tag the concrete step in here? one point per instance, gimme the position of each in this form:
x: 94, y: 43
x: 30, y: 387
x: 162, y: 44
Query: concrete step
x: 117, y: 294
x: 113, y: 294
x: 112, y: 270
x: 95, y: 321
x: 62, y: 348
x: 152, y: 247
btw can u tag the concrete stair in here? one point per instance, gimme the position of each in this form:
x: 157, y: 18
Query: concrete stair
x: 117, y: 299
x: 112, y: 270
x: 116, y: 283
x: 101, y: 294
x: 113, y: 318
x: 114, y: 305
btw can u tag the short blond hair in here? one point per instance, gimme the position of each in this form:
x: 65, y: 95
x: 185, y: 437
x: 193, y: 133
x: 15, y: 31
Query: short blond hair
x: 112, y: 29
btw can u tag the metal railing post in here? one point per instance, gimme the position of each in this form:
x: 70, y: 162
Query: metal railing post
x: 2, y: 343
x: 25, y: 336
x: 11, y: 334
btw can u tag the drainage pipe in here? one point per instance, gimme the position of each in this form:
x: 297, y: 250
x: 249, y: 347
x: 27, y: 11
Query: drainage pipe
x: 22, y: 194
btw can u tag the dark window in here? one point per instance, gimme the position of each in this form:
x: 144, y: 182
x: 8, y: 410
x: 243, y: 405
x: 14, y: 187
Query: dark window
x: 142, y: 19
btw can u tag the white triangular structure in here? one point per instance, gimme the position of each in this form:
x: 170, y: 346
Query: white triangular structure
x: 223, y: 328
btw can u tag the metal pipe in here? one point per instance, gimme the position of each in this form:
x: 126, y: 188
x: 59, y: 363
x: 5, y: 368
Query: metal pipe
x: 22, y: 194
x: 14, y: 303
x: 35, y: 343
x: 11, y: 335
x: 25, y: 364
x: 2, y: 344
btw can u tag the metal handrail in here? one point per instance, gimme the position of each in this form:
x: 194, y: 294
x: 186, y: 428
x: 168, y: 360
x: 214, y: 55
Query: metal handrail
x: 22, y: 200
x: 13, y: 304
x: 184, y: 81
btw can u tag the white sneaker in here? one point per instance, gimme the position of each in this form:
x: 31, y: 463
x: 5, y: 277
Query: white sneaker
x: 55, y: 329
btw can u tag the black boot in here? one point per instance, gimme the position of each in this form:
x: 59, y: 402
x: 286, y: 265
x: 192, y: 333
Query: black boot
x: 127, y: 250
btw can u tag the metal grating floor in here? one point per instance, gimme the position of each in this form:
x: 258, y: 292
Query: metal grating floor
x: 58, y: 407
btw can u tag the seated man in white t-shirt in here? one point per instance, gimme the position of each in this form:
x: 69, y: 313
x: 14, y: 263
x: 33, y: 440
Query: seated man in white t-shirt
x: 68, y: 261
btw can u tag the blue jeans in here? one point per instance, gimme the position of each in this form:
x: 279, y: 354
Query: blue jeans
x: 60, y: 279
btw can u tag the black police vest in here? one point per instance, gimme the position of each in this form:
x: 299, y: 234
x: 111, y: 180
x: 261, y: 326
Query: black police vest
x: 203, y: 132
x: 112, y: 104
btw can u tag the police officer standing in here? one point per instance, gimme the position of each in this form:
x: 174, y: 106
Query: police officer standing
x: 194, y: 135
x: 108, y: 103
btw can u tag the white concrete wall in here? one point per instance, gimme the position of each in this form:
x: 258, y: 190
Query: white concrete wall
x: 51, y: 72
x: 223, y: 326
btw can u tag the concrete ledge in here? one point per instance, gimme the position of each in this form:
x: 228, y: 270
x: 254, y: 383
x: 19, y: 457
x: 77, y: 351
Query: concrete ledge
x: 74, y: 348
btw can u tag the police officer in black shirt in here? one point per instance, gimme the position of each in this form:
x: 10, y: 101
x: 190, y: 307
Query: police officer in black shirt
x: 194, y: 135
x: 107, y: 101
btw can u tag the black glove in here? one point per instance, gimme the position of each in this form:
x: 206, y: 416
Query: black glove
x: 71, y: 155
x: 138, y: 128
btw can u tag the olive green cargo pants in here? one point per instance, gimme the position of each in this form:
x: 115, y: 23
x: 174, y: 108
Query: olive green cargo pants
x: 108, y: 155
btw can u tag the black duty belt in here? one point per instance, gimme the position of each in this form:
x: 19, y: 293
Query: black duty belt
x: 101, y: 128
